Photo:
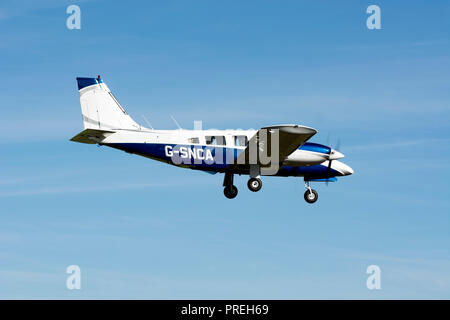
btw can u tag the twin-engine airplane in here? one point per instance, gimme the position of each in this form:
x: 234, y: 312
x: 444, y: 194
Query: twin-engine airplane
x: 280, y: 150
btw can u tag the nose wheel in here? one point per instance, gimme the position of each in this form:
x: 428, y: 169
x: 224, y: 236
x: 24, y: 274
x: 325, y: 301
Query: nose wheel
x: 310, y: 195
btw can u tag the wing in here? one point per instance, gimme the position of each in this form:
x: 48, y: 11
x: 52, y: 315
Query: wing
x: 275, y: 142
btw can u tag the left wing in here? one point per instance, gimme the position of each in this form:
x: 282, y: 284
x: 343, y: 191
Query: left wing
x: 275, y: 142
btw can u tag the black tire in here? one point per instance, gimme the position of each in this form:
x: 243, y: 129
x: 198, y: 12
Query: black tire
x: 254, y: 184
x: 312, y: 196
x: 230, y: 192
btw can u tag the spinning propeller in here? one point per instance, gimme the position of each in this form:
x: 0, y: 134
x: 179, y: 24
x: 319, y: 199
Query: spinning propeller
x: 334, y: 154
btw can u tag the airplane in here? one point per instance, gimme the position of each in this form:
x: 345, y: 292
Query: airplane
x: 277, y: 150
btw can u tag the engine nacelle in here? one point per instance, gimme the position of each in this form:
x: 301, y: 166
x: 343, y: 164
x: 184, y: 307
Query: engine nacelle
x: 311, y: 154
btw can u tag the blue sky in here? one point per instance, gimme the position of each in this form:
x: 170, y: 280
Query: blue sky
x: 142, y: 229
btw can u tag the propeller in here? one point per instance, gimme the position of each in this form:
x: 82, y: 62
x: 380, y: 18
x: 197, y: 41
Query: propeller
x: 334, y: 154
x: 338, y: 145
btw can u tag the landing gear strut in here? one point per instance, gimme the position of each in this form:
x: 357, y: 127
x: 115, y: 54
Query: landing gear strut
x: 230, y: 191
x: 254, y: 183
x: 311, y: 195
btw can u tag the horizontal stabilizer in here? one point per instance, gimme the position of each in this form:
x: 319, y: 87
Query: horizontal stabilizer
x: 91, y: 136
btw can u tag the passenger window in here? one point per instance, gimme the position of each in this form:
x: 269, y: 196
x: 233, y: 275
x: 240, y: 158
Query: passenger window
x: 215, y: 140
x: 193, y: 140
x: 240, y: 141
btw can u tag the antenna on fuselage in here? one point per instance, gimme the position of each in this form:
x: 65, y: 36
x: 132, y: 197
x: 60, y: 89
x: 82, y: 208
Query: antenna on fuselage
x: 176, y: 122
x: 148, y: 122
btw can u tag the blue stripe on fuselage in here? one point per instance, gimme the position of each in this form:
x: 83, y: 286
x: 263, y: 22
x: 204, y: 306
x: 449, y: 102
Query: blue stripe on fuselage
x: 200, y: 157
x: 166, y: 152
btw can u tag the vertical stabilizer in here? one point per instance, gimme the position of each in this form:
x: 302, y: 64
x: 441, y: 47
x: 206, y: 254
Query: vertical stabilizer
x: 99, y: 107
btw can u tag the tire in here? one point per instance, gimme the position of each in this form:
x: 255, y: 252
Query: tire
x: 230, y: 192
x: 312, y: 196
x: 254, y: 184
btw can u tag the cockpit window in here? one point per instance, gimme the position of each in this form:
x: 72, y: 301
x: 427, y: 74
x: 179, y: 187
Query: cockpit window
x: 193, y: 140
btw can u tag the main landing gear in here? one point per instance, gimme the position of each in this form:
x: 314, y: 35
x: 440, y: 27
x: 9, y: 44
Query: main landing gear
x: 310, y: 195
x: 254, y: 184
x: 230, y: 191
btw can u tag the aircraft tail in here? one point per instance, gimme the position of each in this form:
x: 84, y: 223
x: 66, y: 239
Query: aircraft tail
x: 100, y: 109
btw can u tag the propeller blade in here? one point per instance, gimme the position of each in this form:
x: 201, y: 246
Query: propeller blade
x: 329, y: 170
x: 338, y: 145
x: 333, y: 155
